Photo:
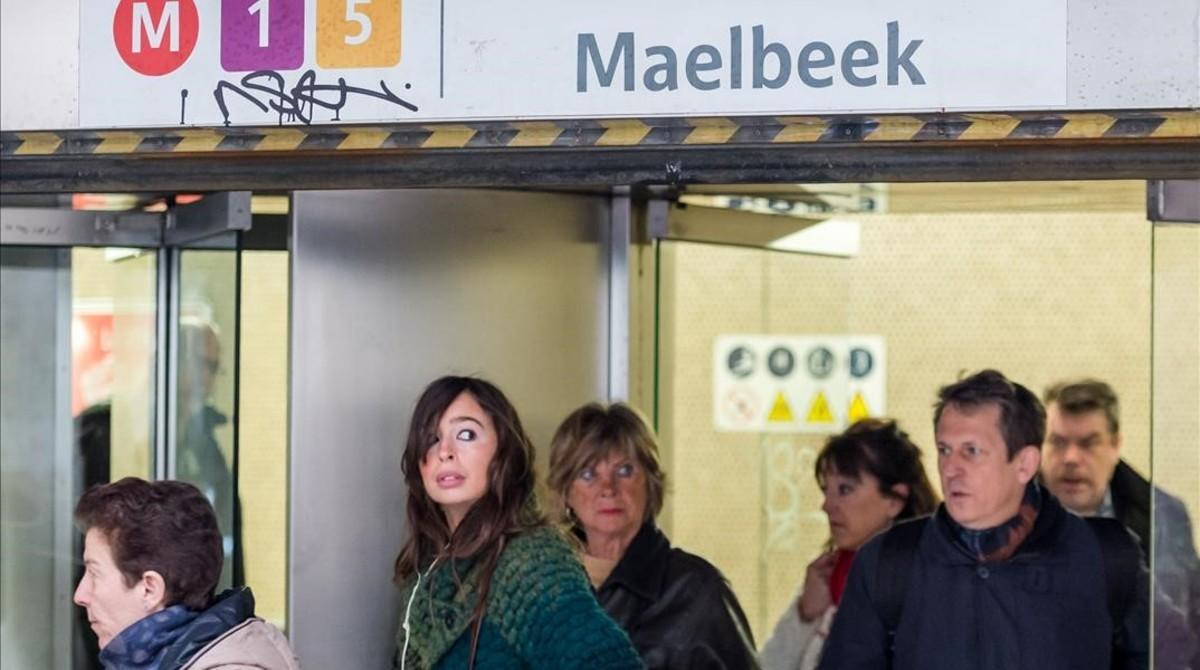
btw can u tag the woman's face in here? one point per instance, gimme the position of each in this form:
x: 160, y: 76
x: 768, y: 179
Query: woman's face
x: 112, y: 605
x: 455, y: 466
x: 609, y: 497
x: 856, y: 508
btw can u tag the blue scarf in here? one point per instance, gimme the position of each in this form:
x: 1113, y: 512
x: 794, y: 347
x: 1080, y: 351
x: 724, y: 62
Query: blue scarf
x: 169, y: 637
x: 144, y: 644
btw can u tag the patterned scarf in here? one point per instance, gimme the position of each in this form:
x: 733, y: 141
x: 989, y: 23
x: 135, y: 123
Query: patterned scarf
x: 168, y: 638
x: 992, y: 545
x: 143, y: 644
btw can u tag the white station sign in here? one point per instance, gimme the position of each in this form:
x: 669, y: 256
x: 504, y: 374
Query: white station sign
x: 242, y: 62
x: 797, y: 383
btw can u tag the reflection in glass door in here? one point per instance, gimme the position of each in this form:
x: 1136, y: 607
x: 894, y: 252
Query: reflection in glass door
x: 230, y: 301
x: 204, y: 446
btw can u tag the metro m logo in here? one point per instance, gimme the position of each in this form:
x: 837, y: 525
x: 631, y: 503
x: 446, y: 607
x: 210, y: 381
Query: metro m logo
x: 168, y: 19
x: 155, y: 37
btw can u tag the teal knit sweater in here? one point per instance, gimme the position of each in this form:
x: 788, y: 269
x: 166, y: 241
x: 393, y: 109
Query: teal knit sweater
x: 541, y: 613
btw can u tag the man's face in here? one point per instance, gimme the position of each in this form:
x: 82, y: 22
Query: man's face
x: 983, y: 489
x: 1079, y: 457
x: 111, y: 605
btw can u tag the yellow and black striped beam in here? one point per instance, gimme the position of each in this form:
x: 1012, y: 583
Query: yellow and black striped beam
x: 652, y: 132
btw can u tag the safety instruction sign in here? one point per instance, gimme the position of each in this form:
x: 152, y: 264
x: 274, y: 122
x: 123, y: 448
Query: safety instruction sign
x: 797, y: 383
x: 299, y: 62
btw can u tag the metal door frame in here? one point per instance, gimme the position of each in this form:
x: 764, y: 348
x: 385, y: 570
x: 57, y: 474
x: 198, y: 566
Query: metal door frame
x: 603, y: 153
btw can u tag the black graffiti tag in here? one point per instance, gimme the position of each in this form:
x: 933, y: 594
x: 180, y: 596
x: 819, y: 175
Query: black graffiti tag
x: 267, y: 90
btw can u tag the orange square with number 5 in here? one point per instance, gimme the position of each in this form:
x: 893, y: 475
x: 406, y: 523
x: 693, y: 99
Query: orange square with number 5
x: 358, y: 33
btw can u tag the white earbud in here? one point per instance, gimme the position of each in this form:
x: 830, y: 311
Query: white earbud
x: 408, y: 612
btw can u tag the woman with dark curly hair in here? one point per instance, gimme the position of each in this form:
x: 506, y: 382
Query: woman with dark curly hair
x: 871, y: 476
x: 485, y: 582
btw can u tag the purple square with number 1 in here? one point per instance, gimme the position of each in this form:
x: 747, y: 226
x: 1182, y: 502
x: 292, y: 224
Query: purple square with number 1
x: 262, y: 35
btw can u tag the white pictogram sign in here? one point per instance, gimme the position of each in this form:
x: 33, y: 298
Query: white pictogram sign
x: 797, y: 383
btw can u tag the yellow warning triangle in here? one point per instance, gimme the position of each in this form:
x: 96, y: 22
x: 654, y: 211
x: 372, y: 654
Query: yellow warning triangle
x: 780, y: 411
x: 819, y: 411
x: 858, y: 408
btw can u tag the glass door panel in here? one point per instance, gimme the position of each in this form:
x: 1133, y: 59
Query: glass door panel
x: 113, y: 342
x: 1176, y: 449
x: 205, y: 442
x: 1045, y: 281
x: 36, y: 538
x: 84, y: 353
x: 113, y: 347
x: 78, y: 390
x: 231, y: 366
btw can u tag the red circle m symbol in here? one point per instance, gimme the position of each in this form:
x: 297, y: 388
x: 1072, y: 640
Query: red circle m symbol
x: 155, y: 37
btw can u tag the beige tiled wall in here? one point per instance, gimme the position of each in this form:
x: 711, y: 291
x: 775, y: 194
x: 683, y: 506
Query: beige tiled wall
x: 263, y: 431
x: 1039, y: 295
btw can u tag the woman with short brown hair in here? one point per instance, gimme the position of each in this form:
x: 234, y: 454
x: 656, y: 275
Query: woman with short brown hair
x: 152, y: 557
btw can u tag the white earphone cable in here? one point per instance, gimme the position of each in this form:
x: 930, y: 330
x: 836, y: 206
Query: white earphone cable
x: 408, y: 612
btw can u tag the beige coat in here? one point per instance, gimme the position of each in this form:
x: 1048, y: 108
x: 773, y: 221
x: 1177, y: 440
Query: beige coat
x: 251, y: 645
x: 796, y: 644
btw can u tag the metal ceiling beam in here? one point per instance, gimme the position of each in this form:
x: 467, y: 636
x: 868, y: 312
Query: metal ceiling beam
x: 1177, y: 158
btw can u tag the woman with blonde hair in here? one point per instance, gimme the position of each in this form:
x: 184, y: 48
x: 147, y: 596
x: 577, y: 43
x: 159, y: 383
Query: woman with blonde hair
x: 677, y: 608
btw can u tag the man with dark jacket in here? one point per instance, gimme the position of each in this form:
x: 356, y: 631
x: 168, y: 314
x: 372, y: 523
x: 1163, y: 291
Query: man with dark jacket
x: 1001, y: 576
x: 1082, y: 466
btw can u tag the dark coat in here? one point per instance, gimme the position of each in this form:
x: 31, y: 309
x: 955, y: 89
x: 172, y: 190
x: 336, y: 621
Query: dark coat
x: 677, y: 608
x: 1176, y: 565
x: 1045, y: 608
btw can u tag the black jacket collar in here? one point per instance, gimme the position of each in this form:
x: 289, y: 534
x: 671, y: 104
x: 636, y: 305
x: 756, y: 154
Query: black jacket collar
x: 1131, y: 502
x: 643, y: 567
